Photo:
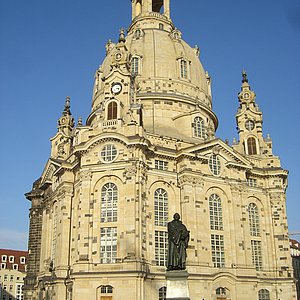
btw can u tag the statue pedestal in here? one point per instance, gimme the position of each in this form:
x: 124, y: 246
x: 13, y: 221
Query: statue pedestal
x: 177, y: 285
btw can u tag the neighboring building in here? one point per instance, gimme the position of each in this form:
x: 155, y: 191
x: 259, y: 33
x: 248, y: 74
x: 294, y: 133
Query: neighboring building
x: 148, y: 149
x: 295, y: 253
x: 12, y: 274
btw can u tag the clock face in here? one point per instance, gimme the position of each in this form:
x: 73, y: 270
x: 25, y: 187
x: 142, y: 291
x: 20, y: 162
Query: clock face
x: 116, y: 88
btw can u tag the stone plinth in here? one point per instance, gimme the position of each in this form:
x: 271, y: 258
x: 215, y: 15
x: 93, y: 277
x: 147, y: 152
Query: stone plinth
x: 177, y: 285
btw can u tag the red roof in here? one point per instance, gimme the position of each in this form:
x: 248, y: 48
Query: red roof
x: 12, y: 258
x: 295, y: 244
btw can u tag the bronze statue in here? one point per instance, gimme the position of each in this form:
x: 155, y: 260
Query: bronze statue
x: 178, y: 238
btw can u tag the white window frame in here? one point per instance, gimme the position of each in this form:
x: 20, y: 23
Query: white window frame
x: 263, y: 294
x: 199, y: 127
x: 11, y: 259
x: 184, y: 68
x: 161, y: 247
x: 135, y: 65
x: 4, y: 258
x: 254, y: 222
x: 109, y: 153
x: 214, y: 165
x: 218, y: 250
x: 161, y: 209
x: 215, y: 212
x: 161, y: 165
x: 109, y: 203
x: 108, y: 245
x: 257, y: 254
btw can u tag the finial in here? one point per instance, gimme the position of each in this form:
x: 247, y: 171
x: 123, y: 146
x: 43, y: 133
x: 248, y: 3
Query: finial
x: 79, y: 123
x: 122, y: 35
x: 67, y: 106
x: 245, y: 78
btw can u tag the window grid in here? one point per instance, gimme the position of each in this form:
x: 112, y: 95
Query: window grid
x: 108, y: 245
x: 161, y: 247
x: 135, y: 66
x: 161, y: 165
x: 215, y: 164
x: 252, y: 182
x: 263, y: 294
x: 162, y: 293
x: 251, y: 146
x: 109, y: 153
x: 217, y: 248
x: 161, y: 207
x: 106, y: 289
x: 183, y: 69
x: 109, y: 203
x: 199, y: 128
x: 253, y: 220
x: 215, y: 211
x: 256, y: 254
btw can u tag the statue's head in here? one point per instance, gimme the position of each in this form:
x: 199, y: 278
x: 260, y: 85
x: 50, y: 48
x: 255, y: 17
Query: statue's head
x: 176, y: 216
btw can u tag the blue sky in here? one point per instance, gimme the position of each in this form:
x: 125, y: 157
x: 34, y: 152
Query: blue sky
x: 51, y: 49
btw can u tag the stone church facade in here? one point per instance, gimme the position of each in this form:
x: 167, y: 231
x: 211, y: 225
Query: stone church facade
x: 147, y: 150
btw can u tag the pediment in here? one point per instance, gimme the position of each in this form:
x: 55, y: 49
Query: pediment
x: 230, y: 157
x: 50, y: 168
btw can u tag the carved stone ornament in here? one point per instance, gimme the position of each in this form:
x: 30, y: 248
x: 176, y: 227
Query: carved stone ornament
x: 191, y: 180
x: 129, y: 172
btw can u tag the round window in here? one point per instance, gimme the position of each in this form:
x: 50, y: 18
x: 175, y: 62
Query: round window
x: 249, y: 125
x: 108, y: 153
x: 214, y: 164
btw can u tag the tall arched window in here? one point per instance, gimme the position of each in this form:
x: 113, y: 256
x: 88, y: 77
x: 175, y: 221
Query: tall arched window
x: 215, y: 212
x: 263, y: 294
x: 162, y: 293
x: 54, y: 233
x: 199, y: 129
x: 254, y: 220
x: 109, y: 203
x: 161, y: 207
x: 183, y: 69
x: 135, y: 65
x: 251, y: 142
x: 112, y: 111
x: 157, y: 6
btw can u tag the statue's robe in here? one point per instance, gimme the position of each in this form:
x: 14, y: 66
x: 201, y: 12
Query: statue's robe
x: 178, y: 238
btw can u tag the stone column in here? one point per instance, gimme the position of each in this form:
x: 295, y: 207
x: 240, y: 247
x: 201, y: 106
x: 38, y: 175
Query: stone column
x: 177, y: 285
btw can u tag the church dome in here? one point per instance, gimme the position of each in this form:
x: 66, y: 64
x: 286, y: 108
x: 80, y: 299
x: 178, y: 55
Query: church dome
x: 166, y: 76
x: 166, y: 63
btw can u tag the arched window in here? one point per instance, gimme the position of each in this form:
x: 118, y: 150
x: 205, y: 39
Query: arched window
x: 54, y: 233
x: 199, y: 129
x: 214, y: 164
x: 263, y: 294
x: 215, y: 211
x: 161, y: 207
x: 157, y: 6
x: 183, y: 69
x: 253, y: 220
x: 112, y: 111
x: 106, y: 289
x: 221, y: 293
x: 135, y: 65
x: 251, y: 142
x: 162, y: 293
x: 109, y: 203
